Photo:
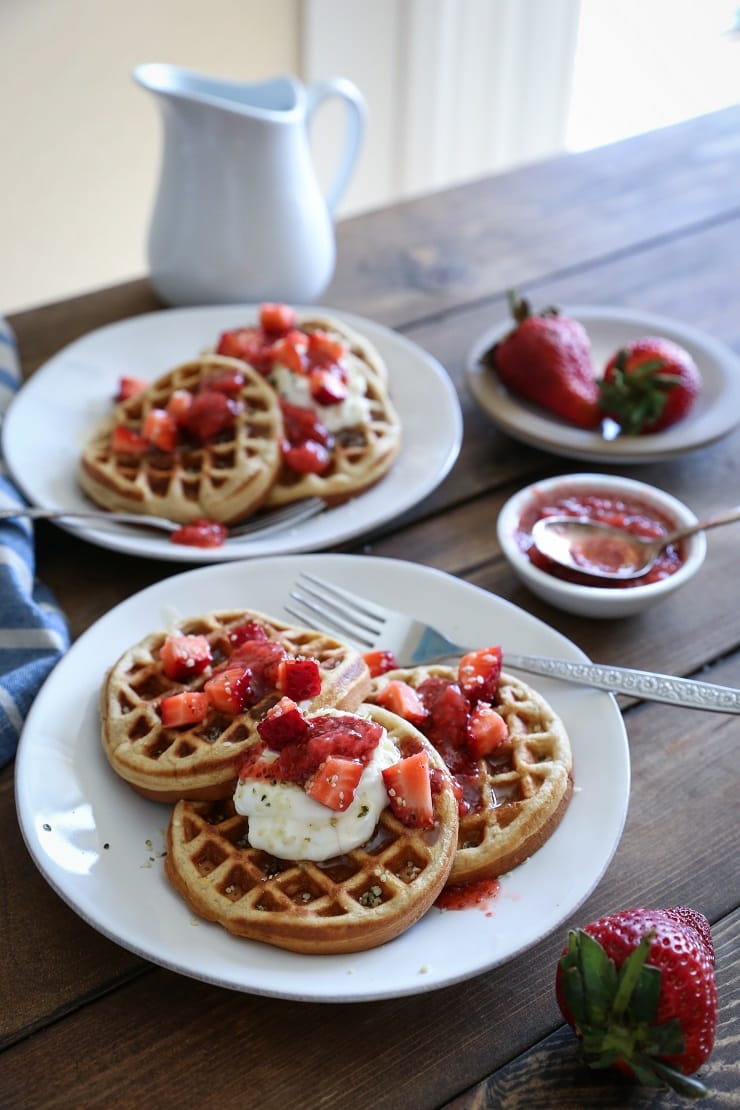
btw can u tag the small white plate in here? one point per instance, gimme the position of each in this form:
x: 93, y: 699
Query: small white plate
x: 52, y: 416
x: 715, y: 414
x: 100, y: 845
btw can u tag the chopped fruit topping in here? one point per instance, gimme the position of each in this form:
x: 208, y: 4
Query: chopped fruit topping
x: 380, y: 662
x: 129, y: 387
x: 327, y: 388
x: 179, y: 404
x: 410, y: 791
x: 125, y: 441
x: 184, y: 656
x: 324, y: 350
x: 402, y: 699
x: 277, y: 319
x: 335, y: 782
x: 227, y: 381
x: 210, y: 413
x: 302, y: 424
x: 160, y: 429
x: 299, y: 678
x: 263, y: 659
x: 289, y: 352
x: 247, y: 344
x: 283, y: 725
x: 187, y: 708
x: 307, y: 458
x: 486, y: 730
x: 242, y: 633
x: 201, y: 533
x: 230, y: 690
x: 448, y: 708
x: 479, y: 673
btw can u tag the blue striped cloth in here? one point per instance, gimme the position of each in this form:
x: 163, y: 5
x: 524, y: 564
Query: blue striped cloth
x: 33, y: 632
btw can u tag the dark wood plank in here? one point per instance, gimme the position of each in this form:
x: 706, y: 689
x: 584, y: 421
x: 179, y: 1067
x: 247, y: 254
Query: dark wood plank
x: 552, y: 1074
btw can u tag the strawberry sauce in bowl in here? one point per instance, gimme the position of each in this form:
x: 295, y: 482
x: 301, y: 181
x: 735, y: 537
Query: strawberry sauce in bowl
x: 638, y: 508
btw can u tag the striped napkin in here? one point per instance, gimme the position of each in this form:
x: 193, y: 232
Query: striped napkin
x: 33, y: 631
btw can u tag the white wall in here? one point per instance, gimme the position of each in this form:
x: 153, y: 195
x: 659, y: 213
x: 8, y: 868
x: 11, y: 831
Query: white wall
x: 80, y: 141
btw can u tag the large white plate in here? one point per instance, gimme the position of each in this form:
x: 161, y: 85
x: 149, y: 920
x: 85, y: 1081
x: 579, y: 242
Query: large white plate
x: 716, y: 412
x: 52, y: 416
x: 99, y: 844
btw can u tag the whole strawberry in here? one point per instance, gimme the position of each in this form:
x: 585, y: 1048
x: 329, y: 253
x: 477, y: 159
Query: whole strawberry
x: 649, y: 385
x: 638, y: 988
x: 547, y: 359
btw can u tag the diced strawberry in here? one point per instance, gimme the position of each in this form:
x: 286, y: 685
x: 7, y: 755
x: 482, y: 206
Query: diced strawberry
x: 299, y: 678
x: 129, y: 387
x: 290, y: 352
x: 201, y: 533
x: 327, y: 388
x: 380, y: 662
x: 179, y: 404
x: 263, y: 659
x: 187, y: 708
x: 479, y: 673
x: 210, y: 413
x: 302, y: 424
x: 247, y: 344
x: 184, y: 657
x: 335, y: 782
x: 229, y: 382
x: 243, y: 633
x: 402, y: 699
x: 160, y: 429
x: 446, y: 725
x: 410, y: 791
x: 125, y: 441
x: 324, y: 349
x: 230, y: 690
x: 283, y: 724
x: 277, y: 319
x: 307, y: 458
x: 486, y: 730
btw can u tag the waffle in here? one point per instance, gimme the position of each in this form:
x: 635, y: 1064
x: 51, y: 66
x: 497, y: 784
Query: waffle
x: 517, y: 795
x: 360, y: 457
x: 201, y: 761
x: 224, y: 479
x: 353, y: 902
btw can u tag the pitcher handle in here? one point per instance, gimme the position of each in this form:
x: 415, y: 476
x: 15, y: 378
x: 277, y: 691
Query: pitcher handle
x: 355, y: 128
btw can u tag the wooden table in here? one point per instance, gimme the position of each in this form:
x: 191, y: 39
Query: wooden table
x: 651, y: 224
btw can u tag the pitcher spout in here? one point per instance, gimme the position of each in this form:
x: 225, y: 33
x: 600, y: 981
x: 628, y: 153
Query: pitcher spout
x: 278, y: 97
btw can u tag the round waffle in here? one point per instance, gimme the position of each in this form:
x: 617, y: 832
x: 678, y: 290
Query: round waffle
x: 356, y: 901
x: 360, y: 456
x: 201, y: 760
x: 518, y: 794
x: 224, y: 478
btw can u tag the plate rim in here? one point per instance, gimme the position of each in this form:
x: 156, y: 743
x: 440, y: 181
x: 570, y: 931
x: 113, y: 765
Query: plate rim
x: 587, y: 446
x: 119, y: 539
x: 165, y: 587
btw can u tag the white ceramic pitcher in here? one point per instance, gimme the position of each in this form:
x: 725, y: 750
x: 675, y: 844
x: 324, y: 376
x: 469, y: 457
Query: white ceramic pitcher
x: 239, y: 213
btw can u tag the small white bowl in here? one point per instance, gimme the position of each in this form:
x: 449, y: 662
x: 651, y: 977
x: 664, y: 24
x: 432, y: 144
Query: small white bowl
x: 598, y: 601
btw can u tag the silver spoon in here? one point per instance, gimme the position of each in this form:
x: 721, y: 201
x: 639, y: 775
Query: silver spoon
x: 604, y: 551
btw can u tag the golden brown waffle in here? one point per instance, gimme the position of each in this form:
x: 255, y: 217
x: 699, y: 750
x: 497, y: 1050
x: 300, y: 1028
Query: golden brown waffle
x: 517, y: 795
x: 360, y: 457
x: 356, y: 901
x: 223, y: 479
x: 201, y: 761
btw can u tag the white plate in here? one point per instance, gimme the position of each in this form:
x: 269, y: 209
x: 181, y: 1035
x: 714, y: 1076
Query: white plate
x: 52, y: 416
x: 99, y: 844
x: 715, y: 414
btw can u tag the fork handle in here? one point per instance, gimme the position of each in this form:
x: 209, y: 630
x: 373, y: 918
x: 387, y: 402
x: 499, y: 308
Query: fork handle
x: 640, y: 684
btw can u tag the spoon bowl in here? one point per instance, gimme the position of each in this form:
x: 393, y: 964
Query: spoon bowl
x: 604, y: 551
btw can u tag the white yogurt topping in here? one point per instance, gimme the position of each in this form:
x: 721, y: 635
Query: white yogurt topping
x: 353, y: 410
x: 288, y: 823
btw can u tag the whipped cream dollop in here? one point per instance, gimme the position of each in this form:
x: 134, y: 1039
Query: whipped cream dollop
x: 289, y: 824
x: 353, y: 410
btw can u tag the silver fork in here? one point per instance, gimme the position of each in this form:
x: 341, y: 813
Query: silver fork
x: 273, y: 520
x: 369, y: 626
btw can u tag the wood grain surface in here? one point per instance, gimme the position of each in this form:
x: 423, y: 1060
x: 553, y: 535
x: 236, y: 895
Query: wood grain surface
x: 650, y: 224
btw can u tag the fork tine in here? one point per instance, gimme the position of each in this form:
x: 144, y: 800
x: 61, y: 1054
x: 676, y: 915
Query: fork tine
x: 358, y: 609
x: 279, y: 518
x: 327, y: 622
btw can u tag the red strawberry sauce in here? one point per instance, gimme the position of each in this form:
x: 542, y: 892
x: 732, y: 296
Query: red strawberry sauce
x: 478, y: 895
x: 626, y: 512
